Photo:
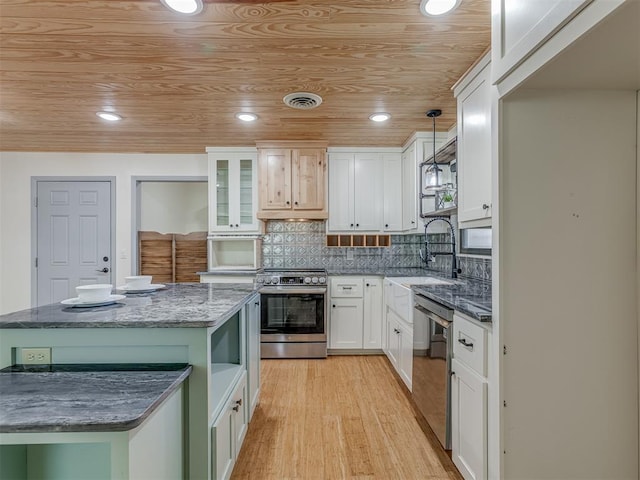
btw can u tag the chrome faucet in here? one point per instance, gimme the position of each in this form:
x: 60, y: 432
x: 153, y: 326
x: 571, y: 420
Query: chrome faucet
x: 431, y: 255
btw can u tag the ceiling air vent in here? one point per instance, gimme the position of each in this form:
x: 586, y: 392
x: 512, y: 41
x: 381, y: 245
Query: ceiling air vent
x: 302, y: 100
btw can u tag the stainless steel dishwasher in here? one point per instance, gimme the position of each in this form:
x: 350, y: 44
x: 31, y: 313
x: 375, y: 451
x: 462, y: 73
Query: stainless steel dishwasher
x: 432, y: 348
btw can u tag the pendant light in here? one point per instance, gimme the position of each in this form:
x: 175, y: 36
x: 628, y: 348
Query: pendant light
x: 432, y: 172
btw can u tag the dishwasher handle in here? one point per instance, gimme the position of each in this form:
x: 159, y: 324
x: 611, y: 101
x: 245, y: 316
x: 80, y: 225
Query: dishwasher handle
x: 432, y: 316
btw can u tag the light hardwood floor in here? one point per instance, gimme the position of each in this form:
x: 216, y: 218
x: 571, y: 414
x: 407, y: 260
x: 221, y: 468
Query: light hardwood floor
x: 345, y: 417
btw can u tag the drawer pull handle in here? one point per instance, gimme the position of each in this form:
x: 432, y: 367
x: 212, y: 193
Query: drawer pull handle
x: 485, y: 206
x: 465, y: 343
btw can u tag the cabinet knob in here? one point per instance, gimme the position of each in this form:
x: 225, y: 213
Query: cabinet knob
x: 295, y: 203
x: 288, y: 202
x: 239, y: 402
x: 352, y: 224
x: 357, y: 225
x: 485, y: 206
x: 333, y: 306
x: 386, y: 225
x: 231, y: 225
x: 413, y: 222
x: 368, y: 285
x: 236, y: 408
x: 237, y: 225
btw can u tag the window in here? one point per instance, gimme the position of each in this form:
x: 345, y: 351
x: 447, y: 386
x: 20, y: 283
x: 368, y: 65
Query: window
x: 475, y: 241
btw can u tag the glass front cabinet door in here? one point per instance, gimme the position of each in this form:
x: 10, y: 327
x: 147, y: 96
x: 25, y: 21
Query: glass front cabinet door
x: 232, y: 190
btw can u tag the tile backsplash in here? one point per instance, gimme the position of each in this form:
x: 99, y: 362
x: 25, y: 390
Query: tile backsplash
x: 303, y: 245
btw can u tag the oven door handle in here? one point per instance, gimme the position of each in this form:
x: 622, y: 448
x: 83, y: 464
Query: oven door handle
x: 293, y: 291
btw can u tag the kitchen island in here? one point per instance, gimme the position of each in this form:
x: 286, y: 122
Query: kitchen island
x: 212, y: 327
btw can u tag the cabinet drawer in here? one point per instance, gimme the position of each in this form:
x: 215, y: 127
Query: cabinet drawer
x: 469, y: 344
x: 346, y: 287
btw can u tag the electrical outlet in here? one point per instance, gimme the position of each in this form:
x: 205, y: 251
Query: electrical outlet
x: 36, y: 356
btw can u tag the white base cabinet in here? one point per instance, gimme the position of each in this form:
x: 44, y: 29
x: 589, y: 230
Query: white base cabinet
x: 469, y: 421
x: 399, y: 347
x: 469, y: 398
x: 355, y: 313
x: 228, y: 432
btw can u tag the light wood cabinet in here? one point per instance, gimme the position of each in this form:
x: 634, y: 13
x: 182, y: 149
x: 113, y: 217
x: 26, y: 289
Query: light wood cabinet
x: 233, y: 197
x: 292, y: 180
x: 473, y: 94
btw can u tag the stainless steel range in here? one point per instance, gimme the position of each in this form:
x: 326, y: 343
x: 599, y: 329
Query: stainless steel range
x: 293, y: 315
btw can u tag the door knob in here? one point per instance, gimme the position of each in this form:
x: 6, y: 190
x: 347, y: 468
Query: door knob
x: 103, y: 270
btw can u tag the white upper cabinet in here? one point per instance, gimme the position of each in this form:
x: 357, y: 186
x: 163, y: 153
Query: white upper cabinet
x: 232, y: 190
x: 473, y: 94
x: 410, y: 187
x: 365, y: 190
x: 393, y: 198
x: 527, y: 34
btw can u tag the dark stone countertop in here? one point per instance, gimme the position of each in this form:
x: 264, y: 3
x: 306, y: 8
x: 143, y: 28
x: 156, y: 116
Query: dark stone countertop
x: 190, y: 305
x: 65, y: 400
x: 473, y: 298
x: 385, y: 271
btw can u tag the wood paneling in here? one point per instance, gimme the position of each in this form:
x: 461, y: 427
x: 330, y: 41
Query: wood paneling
x: 172, y: 258
x: 178, y: 81
x: 340, y: 418
x: 190, y: 256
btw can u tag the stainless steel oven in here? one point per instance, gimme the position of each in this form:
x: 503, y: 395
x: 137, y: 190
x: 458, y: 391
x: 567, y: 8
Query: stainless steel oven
x: 293, y: 313
x: 431, y: 375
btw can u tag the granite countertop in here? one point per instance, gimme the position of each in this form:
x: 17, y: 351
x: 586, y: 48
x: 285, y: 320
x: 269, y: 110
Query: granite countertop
x: 76, y: 400
x: 178, y: 305
x: 386, y: 271
x: 470, y: 297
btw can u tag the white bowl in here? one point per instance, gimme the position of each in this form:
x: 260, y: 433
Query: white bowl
x: 138, y: 281
x: 94, y: 293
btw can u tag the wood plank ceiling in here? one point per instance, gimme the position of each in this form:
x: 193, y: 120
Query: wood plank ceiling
x: 179, y: 80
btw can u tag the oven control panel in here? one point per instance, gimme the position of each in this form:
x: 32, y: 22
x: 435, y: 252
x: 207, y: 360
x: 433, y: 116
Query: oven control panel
x: 285, y: 279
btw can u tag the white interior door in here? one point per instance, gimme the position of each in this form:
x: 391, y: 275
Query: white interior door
x: 73, y: 237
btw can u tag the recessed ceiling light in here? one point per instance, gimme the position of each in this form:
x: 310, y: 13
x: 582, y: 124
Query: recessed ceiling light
x: 437, y: 7
x: 246, y: 117
x: 186, y: 7
x: 109, y: 116
x: 380, y: 117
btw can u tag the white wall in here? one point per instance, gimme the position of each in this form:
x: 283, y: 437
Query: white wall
x: 568, y: 284
x: 174, y: 207
x: 16, y: 170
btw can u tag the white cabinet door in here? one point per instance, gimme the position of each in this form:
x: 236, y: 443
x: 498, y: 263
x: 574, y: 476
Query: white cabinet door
x: 372, y: 313
x: 468, y: 422
x: 240, y: 415
x: 222, y: 445
x: 405, y: 356
x: 393, y: 338
x: 232, y: 190
x: 474, y: 147
x: 341, y: 171
x: 253, y: 354
x: 393, y: 193
x: 368, y: 192
x: 409, y: 188
x: 519, y: 27
x: 346, y: 323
